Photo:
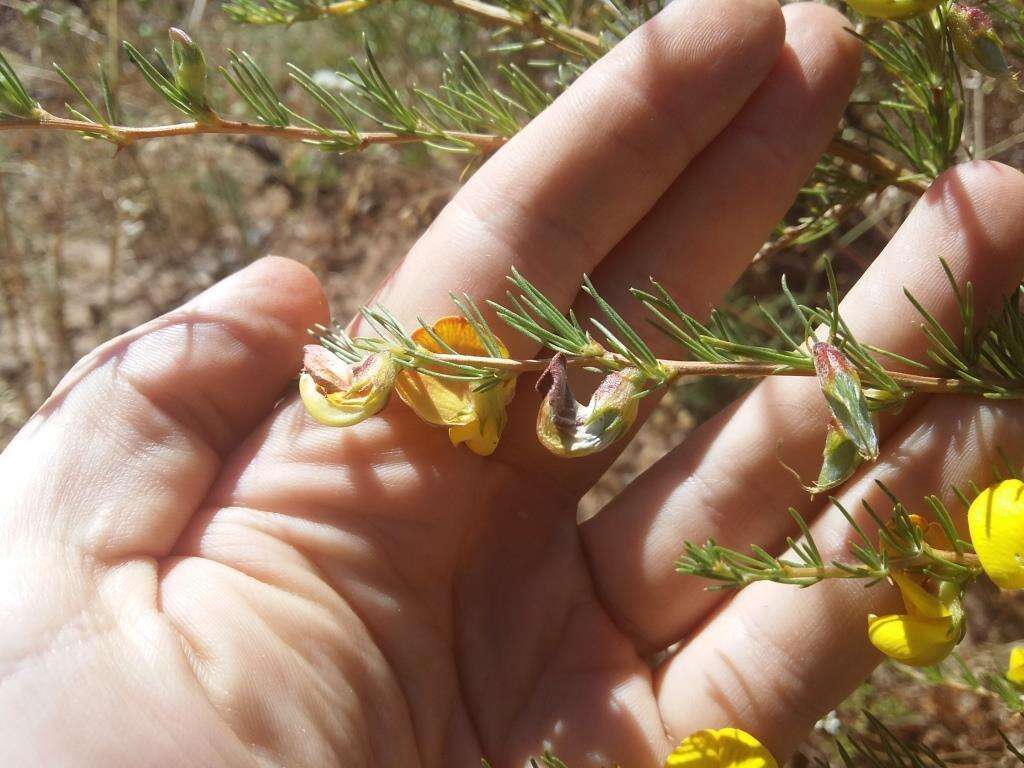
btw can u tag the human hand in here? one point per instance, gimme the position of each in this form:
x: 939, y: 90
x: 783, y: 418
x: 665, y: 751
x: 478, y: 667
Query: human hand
x: 197, y: 574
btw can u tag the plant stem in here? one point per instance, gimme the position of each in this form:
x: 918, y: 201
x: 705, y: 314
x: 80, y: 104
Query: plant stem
x: 125, y: 135
x: 687, y: 368
x: 838, y: 212
x: 484, y: 142
x: 928, y: 557
x: 877, y: 164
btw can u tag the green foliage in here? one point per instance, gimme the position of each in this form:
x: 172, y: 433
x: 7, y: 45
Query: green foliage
x: 92, y: 112
x: 15, y: 102
x: 900, y: 544
x: 176, y: 82
x: 989, y: 359
x: 247, y: 80
x: 922, y: 117
x: 535, y: 316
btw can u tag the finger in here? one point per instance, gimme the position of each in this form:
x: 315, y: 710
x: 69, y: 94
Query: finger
x: 702, y: 232
x: 120, y: 455
x: 724, y: 481
x: 577, y: 178
x: 810, y: 647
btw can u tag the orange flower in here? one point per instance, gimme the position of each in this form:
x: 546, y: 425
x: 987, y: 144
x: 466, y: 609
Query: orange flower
x: 474, y: 417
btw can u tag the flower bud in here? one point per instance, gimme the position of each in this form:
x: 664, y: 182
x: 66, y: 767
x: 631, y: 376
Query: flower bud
x: 568, y: 428
x: 891, y: 9
x: 996, y: 521
x: 721, y: 748
x: 189, y: 67
x: 975, y: 41
x: 841, y: 386
x: 341, y: 394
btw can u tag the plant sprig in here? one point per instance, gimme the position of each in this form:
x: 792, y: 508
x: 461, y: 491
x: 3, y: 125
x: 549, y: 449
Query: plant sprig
x: 724, y: 348
x: 900, y: 546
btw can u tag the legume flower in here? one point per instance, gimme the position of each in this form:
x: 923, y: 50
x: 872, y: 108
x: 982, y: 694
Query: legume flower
x: 722, y: 748
x: 476, y: 418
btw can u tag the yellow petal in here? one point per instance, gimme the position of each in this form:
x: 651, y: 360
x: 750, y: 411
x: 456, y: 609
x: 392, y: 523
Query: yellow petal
x: 724, y: 748
x: 474, y: 418
x: 482, y: 434
x: 480, y: 437
x: 1015, y: 670
x: 996, y: 520
x: 436, y: 401
x: 892, y: 9
x: 919, y: 601
x: 335, y: 410
x: 912, y: 640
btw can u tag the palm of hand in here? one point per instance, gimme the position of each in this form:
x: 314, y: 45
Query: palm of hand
x: 196, y: 574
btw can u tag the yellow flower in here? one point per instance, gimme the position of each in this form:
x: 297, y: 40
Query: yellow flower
x: 891, y: 9
x: 472, y: 417
x: 341, y: 394
x: 724, y: 748
x: 996, y: 520
x: 925, y: 634
x: 1015, y: 669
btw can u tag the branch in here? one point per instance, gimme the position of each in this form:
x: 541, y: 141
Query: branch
x: 897, y: 175
x: 124, y: 135
x: 850, y: 571
x: 689, y: 368
x: 484, y: 142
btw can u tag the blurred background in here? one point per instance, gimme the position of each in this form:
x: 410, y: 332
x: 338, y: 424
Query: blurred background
x: 95, y: 241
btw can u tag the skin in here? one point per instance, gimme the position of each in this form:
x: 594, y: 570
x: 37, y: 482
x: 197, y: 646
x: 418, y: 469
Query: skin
x: 194, y: 573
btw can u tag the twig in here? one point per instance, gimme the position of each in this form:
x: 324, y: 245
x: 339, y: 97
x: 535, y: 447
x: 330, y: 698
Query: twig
x: 839, y: 212
x: 897, y: 175
x: 688, y: 368
x: 837, y: 571
x: 484, y: 142
x: 125, y: 135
